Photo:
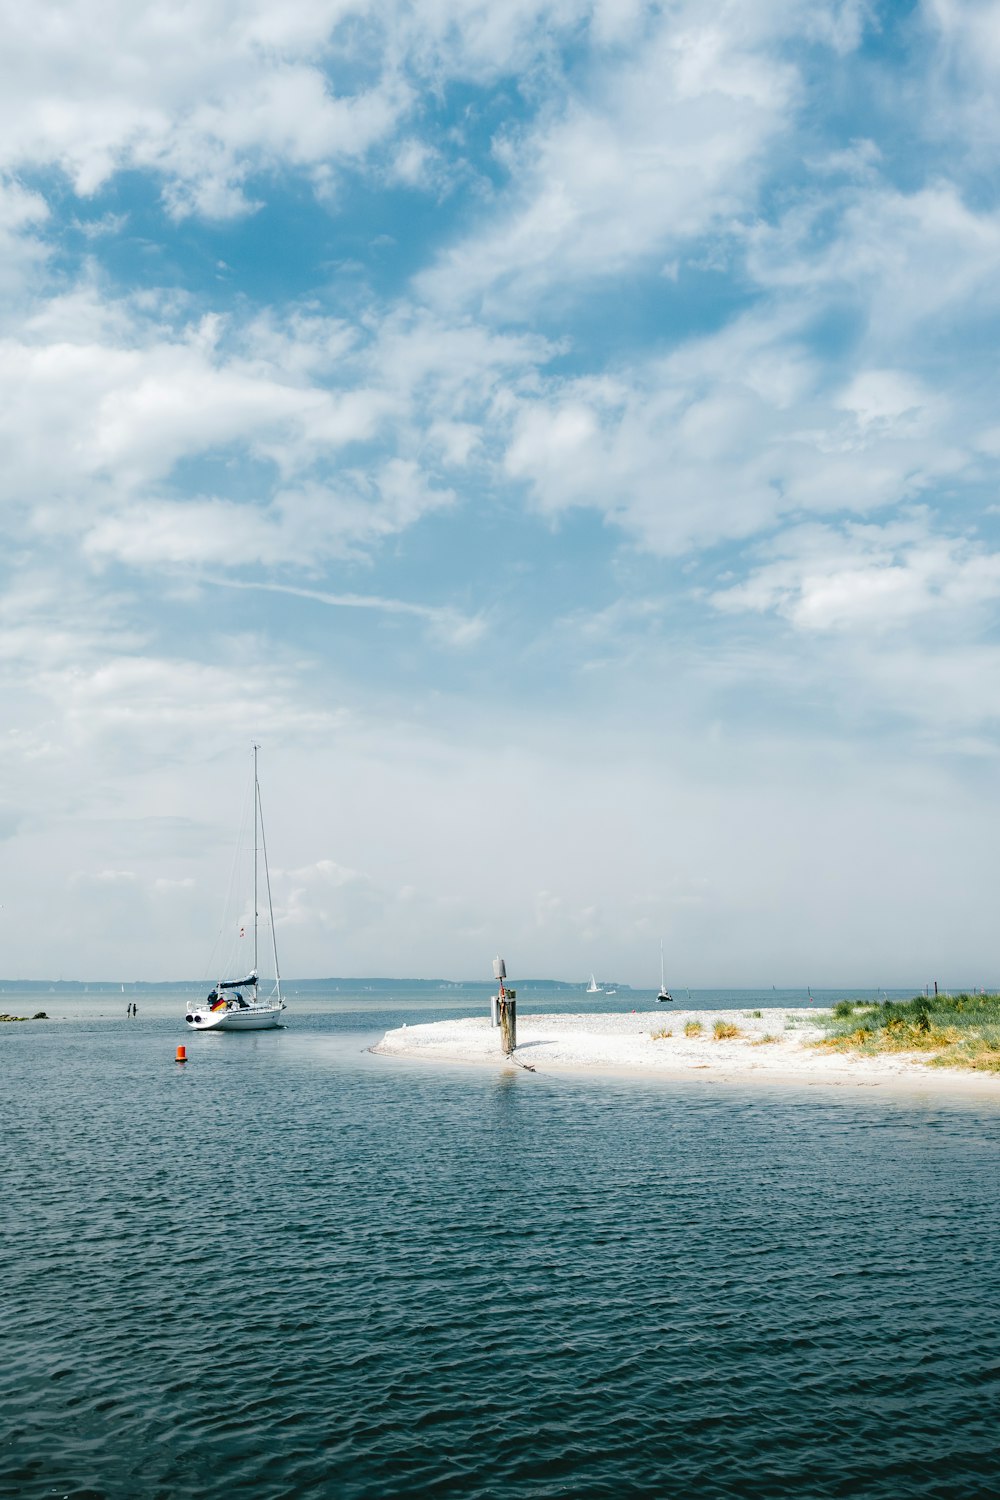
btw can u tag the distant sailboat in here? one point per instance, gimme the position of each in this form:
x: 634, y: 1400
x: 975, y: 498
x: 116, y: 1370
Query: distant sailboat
x: 664, y: 992
x: 227, y: 1007
x: 593, y: 988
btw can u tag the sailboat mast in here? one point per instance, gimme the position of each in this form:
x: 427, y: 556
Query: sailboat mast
x: 256, y: 804
x: 270, y: 908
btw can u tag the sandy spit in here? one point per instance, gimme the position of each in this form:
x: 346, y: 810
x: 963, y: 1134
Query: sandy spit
x: 771, y: 1049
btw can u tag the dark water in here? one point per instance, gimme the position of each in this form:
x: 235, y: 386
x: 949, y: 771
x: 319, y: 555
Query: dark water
x: 290, y: 1269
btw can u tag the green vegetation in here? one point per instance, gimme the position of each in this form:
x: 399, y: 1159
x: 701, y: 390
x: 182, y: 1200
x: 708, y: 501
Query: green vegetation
x: 953, y: 1031
x: 38, y: 1016
x: 692, y: 1028
x: 762, y: 1041
x: 657, y: 1036
x: 753, y: 1015
x: 723, y: 1030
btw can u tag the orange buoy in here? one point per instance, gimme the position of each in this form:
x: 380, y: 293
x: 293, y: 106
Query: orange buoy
x: 182, y: 1054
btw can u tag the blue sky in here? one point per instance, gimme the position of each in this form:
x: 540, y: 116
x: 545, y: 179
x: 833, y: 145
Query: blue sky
x: 563, y: 434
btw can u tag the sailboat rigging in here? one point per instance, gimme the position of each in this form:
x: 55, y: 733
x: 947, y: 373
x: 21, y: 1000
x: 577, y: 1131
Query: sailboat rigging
x: 237, y: 1004
x: 664, y: 992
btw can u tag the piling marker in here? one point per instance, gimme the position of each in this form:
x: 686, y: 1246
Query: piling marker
x: 182, y: 1054
x: 503, y: 1009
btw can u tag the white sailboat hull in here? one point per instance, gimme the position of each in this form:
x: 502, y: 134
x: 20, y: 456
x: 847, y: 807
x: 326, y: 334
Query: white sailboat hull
x: 254, y: 1018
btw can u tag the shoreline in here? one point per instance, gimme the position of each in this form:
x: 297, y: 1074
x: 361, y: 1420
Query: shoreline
x: 770, y: 1049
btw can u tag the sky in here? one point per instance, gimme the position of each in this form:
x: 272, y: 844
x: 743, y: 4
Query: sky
x: 563, y: 435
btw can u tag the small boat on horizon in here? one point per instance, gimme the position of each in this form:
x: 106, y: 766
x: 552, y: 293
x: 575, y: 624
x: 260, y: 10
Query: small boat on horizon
x: 664, y: 992
x: 593, y: 988
x: 235, y: 1004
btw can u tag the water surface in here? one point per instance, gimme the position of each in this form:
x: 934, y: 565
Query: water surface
x: 291, y: 1269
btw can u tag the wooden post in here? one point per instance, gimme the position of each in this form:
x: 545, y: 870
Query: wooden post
x: 508, y: 1023
x: 503, y: 1009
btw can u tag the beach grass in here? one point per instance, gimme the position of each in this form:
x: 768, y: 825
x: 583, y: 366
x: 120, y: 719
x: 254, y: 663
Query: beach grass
x: 658, y: 1036
x: 952, y: 1031
x: 764, y: 1041
x: 693, y: 1028
x: 724, y: 1030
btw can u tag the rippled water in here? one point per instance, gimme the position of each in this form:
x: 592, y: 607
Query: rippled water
x: 290, y: 1269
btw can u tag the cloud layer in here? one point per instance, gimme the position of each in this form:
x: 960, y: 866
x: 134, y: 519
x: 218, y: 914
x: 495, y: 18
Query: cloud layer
x: 547, y: 427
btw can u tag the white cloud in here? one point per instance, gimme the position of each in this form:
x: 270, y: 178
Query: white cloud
x: 909, y: 259
x: 886, y: 399
x: 305, y: 527
x: 81, y: 676
x: 205, y: 96
x: 840, y: 27
x: 82, y: 417
x: 728, y: 434
x: 868, y: 578
x: 199, y: 96
x: 960, y: 105
x: 23, y: 213
x: 20, y: 208
x: 668, y: 146
x: 100, y: 403
x: 414, y: 164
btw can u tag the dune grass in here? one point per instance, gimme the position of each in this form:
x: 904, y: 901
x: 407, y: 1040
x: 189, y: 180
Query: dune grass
x: 693, y: 1028
x: 658, y: 1036
x: 952, y: 1031
x: 723, y: 1030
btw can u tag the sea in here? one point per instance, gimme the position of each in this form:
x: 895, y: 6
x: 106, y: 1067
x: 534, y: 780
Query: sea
x: 288, y: 1268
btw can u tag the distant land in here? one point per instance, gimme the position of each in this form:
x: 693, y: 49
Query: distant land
x: 329, y: 986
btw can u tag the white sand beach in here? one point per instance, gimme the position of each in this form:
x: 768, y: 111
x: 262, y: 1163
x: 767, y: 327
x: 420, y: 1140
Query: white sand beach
x: 771, y: 1048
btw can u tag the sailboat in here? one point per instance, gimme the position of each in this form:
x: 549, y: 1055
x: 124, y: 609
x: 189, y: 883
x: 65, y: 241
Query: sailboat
x: 664, y: 992
x: 593, y: 988
x: 237, y: 1004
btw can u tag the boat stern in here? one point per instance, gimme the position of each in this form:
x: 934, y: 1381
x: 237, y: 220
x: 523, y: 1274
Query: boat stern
x: 203, y: 1018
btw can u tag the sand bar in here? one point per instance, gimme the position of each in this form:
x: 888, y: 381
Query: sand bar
x: 770, y: 1049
